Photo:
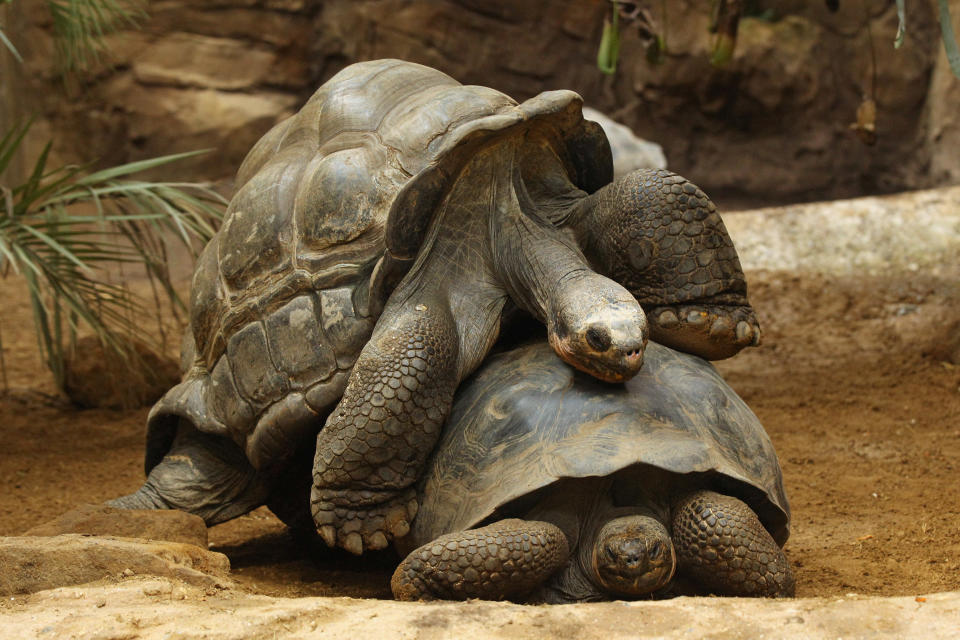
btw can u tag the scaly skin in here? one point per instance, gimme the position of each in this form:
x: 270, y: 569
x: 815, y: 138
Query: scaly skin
x: 661, y: 237
x: 632, y: 556
x: 629, y: 557
x: 505, y: 560
x: 574, y: 545
x: 718, y: 545
x: 722, y: 548
x: 381, y: 432
x: 203, y: 475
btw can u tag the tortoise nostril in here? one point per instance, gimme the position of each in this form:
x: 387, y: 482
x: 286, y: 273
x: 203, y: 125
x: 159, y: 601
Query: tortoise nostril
x: 598, y: 338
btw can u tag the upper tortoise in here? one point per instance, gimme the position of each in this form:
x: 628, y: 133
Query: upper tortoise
x: 375, y: 240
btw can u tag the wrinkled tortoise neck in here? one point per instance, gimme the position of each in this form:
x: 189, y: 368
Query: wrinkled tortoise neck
x: 593, y: 323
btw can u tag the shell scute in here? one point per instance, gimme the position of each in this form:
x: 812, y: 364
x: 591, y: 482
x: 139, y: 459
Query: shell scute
x: 263, y: 151
x: 297, y: 343
x: 420, y: 125
x: 207, y: 302
x: 257, y: 379
x: 286, y: 294
x: 226, y: 403
x: 347, y: 331
x: 338, y: 201
x: 526, y: 421
x: 360, y: 97
x: 257, y: 230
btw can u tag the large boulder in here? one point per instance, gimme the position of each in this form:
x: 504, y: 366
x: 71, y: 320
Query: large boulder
x: 33, y: 564
x: 101, y: 520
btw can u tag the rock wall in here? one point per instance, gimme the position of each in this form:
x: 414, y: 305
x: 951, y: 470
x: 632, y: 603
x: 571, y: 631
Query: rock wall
x: 943, y: 116
x: 772, y: 126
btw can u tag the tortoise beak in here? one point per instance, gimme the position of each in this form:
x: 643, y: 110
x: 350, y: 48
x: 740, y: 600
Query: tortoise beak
x: 608, y: 343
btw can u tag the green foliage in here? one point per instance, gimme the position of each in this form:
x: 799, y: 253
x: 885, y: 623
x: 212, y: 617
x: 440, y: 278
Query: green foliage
x: 725, y: 23
x: 726, y: 16
x: 949, y: 38
x: 61, y: 253
x: 63, y: 229
x: 81, y: 26
x: 9, y: 45
x: 609, y: 51
x: 946, y: 32
x: 902, y: 26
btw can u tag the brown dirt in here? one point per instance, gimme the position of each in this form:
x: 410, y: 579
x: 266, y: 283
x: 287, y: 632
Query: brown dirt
x: 854, y: 383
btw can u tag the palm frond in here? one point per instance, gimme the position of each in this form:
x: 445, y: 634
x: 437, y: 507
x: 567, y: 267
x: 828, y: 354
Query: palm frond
x: 51, y: 239
x: 949, y: 39
x: 9, y: 45
x: 81, y: 26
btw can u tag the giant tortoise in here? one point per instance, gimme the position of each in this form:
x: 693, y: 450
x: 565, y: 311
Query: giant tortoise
x: 551, y: 486
x: 363, y: 270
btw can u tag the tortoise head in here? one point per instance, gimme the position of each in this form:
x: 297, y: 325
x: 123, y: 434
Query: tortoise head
x: 598, y: 328
x: 633, y: 556
x: 661, y: 237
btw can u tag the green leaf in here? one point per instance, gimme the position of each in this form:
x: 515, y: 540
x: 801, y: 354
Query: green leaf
x: 902, y: 26
x: 135, y: 167
x: 609, y: 51
x: 9, y: 45
x: 10, y: 143
x: 949, y: 38
x: 723, y: 50
x: 81, y: 26
x: 61, y: 255
x: 656, y: 50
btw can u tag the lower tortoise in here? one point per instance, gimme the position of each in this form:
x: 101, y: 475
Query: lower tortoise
x: 551, y: 487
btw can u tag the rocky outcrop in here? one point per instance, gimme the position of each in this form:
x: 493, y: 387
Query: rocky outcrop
x: 943, y: 115
x: 101, y: 520
x: 771, y: 126
x: 198, y: 75
x: 32, y: 564
x: 909, y: 232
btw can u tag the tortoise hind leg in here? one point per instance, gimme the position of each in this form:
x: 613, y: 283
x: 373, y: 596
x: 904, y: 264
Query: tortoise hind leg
x: 201, y: 474
x: 722, y: 547
x: 505, y: 560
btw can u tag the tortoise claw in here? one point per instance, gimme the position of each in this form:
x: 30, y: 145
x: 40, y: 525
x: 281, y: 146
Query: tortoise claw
x: 354, y: 543
x: 711, y: 331
x: 329, y: 535
x: 361, y: 520
x: 377, y: 541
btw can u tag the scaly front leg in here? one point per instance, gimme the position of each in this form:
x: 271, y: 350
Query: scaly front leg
x: 376, y: 441
x: 661, y: 237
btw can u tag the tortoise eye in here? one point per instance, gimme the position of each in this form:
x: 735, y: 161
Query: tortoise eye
x: 655, y: 550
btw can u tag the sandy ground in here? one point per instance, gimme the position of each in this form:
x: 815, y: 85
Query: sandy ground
x: 158, y: 609
x: 857, y: 382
